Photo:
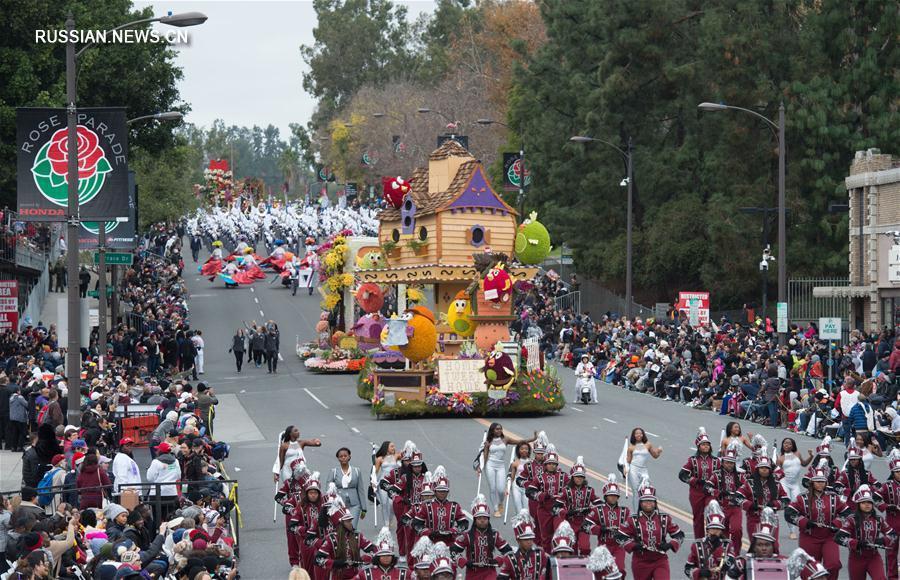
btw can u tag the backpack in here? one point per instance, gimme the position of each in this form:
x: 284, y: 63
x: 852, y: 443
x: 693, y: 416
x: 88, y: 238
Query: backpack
x: 45, y: 496
x: 42, y: 414
x: 220, y: 450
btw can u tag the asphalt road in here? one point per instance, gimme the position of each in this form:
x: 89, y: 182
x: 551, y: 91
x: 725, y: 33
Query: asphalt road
x: 256, y: 408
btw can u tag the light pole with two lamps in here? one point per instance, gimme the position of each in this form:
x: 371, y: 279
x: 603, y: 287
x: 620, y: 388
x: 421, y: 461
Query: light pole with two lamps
x: 628, y: 155
x: 73, y: 219
x: 778, y: 129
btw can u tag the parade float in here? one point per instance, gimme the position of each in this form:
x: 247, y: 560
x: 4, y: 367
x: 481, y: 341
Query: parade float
x: 447, y: 244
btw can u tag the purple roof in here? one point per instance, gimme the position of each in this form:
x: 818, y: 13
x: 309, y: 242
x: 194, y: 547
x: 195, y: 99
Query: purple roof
x: 478, y: 193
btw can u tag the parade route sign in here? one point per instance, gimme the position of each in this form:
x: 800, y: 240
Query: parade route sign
x: 830, y: 328
x: 9, y: 305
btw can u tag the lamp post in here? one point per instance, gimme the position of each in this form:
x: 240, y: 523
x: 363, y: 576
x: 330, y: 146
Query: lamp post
x: 628, y: 155
x: 452, y: 124
x: 520, y: 199
x: 73, y: 219
x: 778, y: 129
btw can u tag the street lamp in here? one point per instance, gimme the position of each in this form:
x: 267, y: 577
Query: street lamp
x: 167, y: 116
x: 520, y: 199
x: 452, y: 124
x: 628, y: 155
x: 778, y: 129
x: 73, y: 354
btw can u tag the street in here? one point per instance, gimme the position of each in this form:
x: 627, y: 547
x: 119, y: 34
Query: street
x: 257, y: 407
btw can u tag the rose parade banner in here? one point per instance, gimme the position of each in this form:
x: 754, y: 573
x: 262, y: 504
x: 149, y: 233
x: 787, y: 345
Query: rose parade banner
x: 43, y: 162
x: 120, y: 235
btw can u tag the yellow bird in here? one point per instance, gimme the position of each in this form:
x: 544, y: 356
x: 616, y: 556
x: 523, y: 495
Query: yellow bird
x: 423, y: 335
x: 458, y: 315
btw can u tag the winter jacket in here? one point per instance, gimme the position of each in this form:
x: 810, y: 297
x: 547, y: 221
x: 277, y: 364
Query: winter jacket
x: 32, y: 468
x: 862, y: 418
x: 257, y: 341
x: 91, y: 476
x: 4, y: 401
x: 237, y: 343
x: 18, y: 408
x: 164, y: 469
x: 272, y: 341
x: 162, y: 430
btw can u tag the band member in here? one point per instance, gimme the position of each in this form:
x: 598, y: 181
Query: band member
x: 406, y: 495
x: 531, y: 471
x: 384, y: 565
x: 562, y: 547
x: 760, y: 490
x: 602, y: 564
x: 712, y: 555
x: 864, y: 532
x: 648, y: 535
x: 442, y: 568
x: 698, y: 470
x: 544, y: 489
x: 421, y: 557
x: 305, y: 521
x: 340, y: 555
x: 890, y: 505
x: 823, y: 453
x: 762, y: 547
x: 288, y: 497
x: 818, y: 514
x: 475, y: 548
x: 759, y: 446
x: 723, y: 486
x: 440, y: 519
x: 573, y: 505
x: 605, y: 520
x: 855, y: 476
x: 528, y: 561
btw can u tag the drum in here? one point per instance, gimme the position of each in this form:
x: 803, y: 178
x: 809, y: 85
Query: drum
x: 767, y: 569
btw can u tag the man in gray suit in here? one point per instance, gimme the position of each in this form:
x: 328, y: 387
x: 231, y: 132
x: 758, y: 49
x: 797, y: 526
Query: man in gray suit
x: 350, y: 486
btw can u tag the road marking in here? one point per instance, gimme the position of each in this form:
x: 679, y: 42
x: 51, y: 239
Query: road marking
x: 280, y: 358
x: 354, y: 429
x: 576, y: 409
x: 261, y: 313
x: 315, y: 398
x: 651, y: 434
x: 202, y: 295
x: 610, y: 421
x: 339, y: 418
x: 251, y: 289
x: 255, y: 299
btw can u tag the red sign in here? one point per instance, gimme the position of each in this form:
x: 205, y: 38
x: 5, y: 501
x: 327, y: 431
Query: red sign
x: 9, y: 305
x: 699, y: 299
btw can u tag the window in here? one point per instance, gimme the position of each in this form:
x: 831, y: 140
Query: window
x: 395, y: 235
x: 423, y: 233
x: 477, y: 236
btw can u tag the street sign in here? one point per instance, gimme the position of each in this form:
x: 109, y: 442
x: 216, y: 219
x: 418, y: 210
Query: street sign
x: 830, y: 328
x: 115, y: 258
x: 782, y: 324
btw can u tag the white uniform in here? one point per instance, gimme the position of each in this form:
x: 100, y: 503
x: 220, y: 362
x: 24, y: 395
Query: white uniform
x: 198, y: 344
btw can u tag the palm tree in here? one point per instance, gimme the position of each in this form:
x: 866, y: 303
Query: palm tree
x: 288, y: 164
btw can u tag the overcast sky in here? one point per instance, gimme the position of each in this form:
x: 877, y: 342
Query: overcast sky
x: 243, y: 65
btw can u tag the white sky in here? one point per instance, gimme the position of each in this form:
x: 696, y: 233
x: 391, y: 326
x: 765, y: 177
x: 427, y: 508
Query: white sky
x: 243, y: 65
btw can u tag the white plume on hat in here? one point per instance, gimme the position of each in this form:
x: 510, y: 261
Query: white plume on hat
x: 438, y: 472
x: 337, y: 504
x: 541, y: 440
x: 564, y: 530
x: 600, y: 559
x: 409, y: 448
x: 384, y: 536
x: 797, y: 561
x: 479, y: 499
x: 713, y: 507
x: 768, y: 517
x: 523, y: 517
x: 440, y: 550
x: 645, y: 482
x: 758, y: 441
x: 612, y: 478
x: 422, y: 549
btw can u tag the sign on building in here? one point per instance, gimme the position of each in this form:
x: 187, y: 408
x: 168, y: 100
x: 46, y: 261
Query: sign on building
x: 894, y: 264
x: 782, y: 324
x: 830, y: 328
x: 9, y: 305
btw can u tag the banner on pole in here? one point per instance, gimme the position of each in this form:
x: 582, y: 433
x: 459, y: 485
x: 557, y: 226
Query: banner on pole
x: 120, y: 235
x: 512, y: 172
x: 9, y: 305
x: 42, y: 164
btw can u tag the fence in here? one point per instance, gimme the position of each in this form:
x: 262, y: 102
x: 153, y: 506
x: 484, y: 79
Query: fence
x: 597, y: 300
x: 804, y: 308
x: 570, y: 301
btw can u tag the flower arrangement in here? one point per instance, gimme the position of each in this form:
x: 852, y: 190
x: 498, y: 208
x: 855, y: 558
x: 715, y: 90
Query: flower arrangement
x: 461, y: 403
x: 332, y: 258
x: 378, y: 399
x: 335, y: 360
x: 435, y: 397
x: 540, y: 386
x: 497, y: 404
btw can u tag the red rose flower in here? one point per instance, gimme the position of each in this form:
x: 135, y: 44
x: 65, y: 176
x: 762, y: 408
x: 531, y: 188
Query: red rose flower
x: 89, y: 152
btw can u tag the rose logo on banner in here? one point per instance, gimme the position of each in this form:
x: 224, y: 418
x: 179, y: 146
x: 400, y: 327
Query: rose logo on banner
x: 51, y: 165
x: 94, y: 227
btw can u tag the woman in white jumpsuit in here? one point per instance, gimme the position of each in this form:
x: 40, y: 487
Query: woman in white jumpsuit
x: 522, y: 456
x: 494, y: 464
x: 640, y: 451
x: 793, y: 467
x: 387, y: 459
x: 289, y: 449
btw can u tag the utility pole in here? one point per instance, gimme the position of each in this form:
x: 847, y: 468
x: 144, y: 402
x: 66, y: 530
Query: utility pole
x: 73, y: 222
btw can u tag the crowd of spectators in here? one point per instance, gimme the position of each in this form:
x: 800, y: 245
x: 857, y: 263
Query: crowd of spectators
x: 92, y: 503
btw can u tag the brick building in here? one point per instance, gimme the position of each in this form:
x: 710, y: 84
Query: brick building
x: 873, y: 189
